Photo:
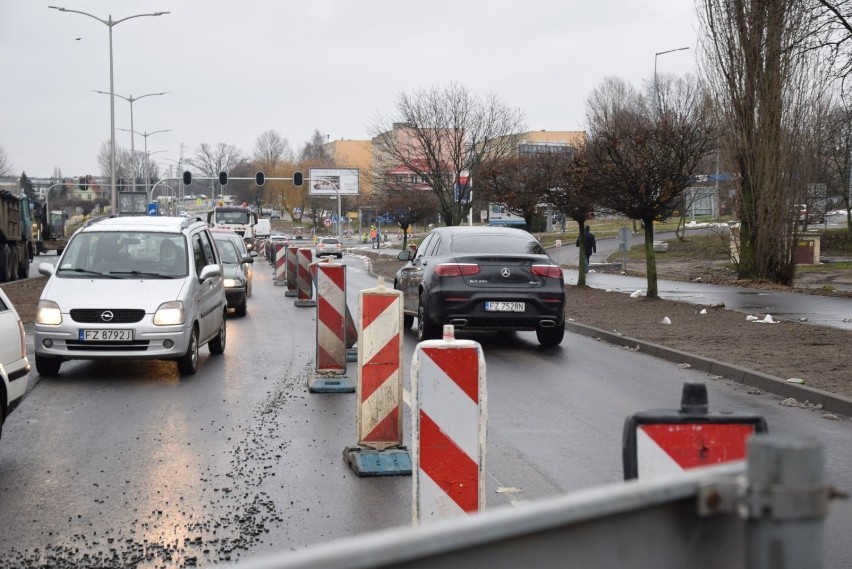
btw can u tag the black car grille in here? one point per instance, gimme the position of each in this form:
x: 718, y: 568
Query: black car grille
x: 116, y: 346
x: 119, y: 315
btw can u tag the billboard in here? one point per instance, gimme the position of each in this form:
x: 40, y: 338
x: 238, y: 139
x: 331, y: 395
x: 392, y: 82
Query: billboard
x: 323, y: 181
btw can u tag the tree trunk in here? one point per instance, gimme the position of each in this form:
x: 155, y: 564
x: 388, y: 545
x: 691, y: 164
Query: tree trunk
x: 581, y: 277
x: 650, y: 259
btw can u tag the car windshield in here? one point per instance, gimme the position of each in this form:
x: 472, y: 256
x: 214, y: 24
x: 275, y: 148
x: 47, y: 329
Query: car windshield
x: 228, y: 251
x: 125, y: 254
x: 492, y: 243
x: 238, y: 217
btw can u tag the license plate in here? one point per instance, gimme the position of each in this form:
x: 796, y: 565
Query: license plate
x: 497, y: 306
x: 105, y: 335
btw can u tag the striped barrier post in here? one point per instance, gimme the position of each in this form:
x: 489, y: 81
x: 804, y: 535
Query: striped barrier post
x: 304, y: 282
x: 378, y: 416
x: 279, y: 275
x: 449, y: 413
x: 330, y: 373
x: 292, y: 269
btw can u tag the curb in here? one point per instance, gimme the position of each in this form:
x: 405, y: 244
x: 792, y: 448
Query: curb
x: 829, y: 401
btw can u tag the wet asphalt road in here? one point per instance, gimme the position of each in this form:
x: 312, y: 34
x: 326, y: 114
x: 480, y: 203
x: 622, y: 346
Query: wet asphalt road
x: 118, y: 465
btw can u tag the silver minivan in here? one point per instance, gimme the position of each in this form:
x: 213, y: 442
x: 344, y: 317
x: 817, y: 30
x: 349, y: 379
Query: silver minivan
x: 132, y: 288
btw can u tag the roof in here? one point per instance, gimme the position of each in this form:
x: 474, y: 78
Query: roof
x: 480, y: 230
x: 142, y: 223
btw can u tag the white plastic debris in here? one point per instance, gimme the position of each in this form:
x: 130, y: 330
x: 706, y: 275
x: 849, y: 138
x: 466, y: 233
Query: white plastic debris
x: 666, y: 320
x: 636, y: 294
x: 795, y: 380
x: 684, y: 366
x: 751, y: 318
x: 790, y: 402
x: 609, y: 290
x: 703, y: 311
x: 768, y: 319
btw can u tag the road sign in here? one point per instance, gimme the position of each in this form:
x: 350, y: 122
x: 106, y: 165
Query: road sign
x: 152, y: 208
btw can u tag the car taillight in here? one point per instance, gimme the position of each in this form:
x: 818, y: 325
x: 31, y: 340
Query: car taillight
x: 456, y: 269
x: 547, y: 271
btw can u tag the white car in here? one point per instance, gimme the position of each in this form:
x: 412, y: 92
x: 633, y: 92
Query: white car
x: 133, y: 288
x: 329, y: 246
x: 14, y: 365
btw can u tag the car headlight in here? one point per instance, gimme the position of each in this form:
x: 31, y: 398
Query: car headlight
x: 48, y: 313
x: 169, y: 314
x: 234, y: 283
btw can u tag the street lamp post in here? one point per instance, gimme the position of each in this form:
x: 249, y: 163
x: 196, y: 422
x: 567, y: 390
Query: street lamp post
x: 145, y: 135
x: 110, y: 23
x: 658, y: 54
x: 130, y: 100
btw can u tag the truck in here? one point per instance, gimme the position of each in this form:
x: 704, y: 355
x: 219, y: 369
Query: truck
x: 239, y: 219
x: 48, y: 229
x: 16, y: 237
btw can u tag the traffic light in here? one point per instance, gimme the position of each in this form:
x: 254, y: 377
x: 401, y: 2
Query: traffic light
x: 223, y: 178
x: 297, y: 178
x: 187, y: 178
x: 259, y: 179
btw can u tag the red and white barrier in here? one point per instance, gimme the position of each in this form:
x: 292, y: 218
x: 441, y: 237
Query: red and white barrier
x: 304, y: 280
x: 330, y: 376
x: 280, y: 270
x: 292, y: 269
x: 450, y: 418
x: 378, y: 416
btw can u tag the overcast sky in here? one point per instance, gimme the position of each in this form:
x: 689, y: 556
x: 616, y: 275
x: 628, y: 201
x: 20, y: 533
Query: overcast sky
x: 234, y: 69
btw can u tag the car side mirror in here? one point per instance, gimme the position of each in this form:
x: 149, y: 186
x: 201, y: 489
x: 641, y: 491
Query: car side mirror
x: 46, y: 269
x: 405, y: 255
x: 249, y: 258
x: 209, y: 272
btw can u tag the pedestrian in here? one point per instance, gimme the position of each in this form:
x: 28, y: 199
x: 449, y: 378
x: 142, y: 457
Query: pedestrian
x: 589, y: 246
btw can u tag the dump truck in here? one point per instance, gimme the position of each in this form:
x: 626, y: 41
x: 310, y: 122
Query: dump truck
x: 16, y: 236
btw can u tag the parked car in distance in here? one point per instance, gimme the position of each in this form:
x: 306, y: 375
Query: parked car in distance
x: 14, y: 365
x: 233, y: 270
x: 329, y: 246
x: 275, y: 214
x: 132, y: 288
x: 482, y: 278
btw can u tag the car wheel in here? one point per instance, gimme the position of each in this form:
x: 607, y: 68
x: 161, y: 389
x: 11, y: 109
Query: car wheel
x: 407, y: 321
x: 217, y: 344
x: 24, y: 267
x: 550, y: 336
x: 426, y: 330
x: 47, y: 366
x: 242, y: 309
x: 188, y: 363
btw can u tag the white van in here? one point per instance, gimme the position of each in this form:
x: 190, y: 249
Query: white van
x: 262, y: 228
x: 132, y: 288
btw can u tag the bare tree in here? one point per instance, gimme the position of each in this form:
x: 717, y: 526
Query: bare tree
x: 643, y: 151
x: 442, y: 137
x: 212, y: 159
x: 314, y: 150
x: 572, y: 194
x: 838, y: 156
x: 271, y: 149
x: 5, y: 164
x: 765, y: 76
x: 123, y: 162
x: 404, y: 203
x: 272, y: 153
